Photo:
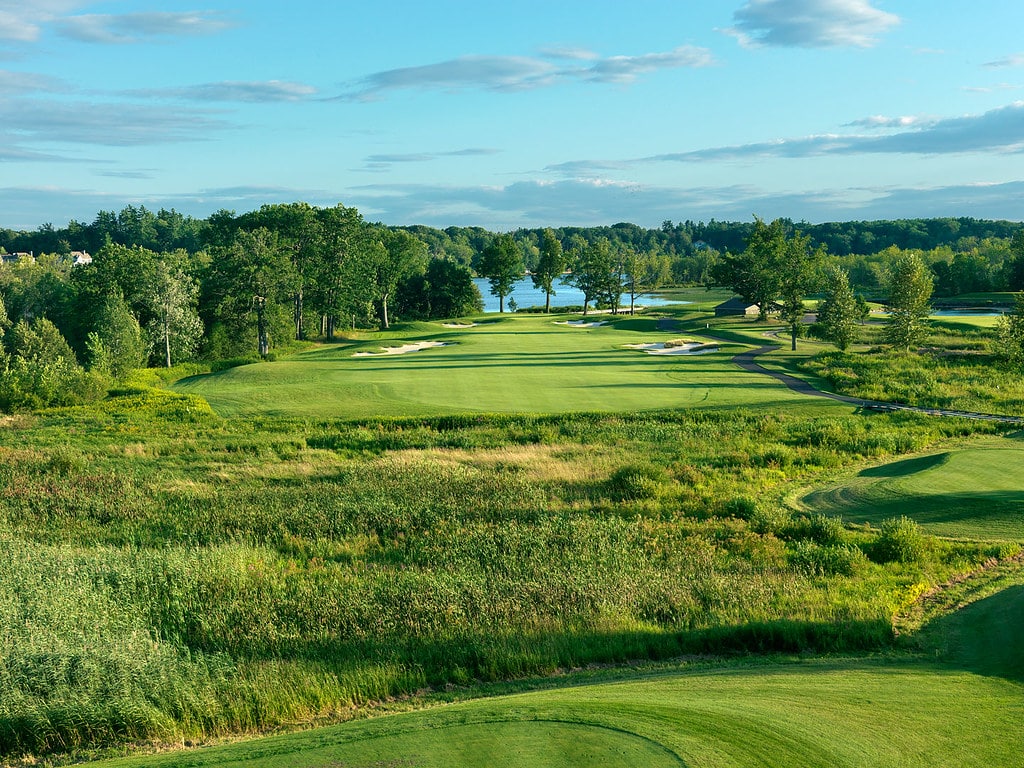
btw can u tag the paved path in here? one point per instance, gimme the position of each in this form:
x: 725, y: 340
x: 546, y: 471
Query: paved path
x: 747, y: 361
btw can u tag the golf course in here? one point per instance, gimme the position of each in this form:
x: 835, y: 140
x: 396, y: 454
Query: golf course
x: 508, y: 405
x: 517, y: 364
x: 512, y: 385
x: 517, y: 540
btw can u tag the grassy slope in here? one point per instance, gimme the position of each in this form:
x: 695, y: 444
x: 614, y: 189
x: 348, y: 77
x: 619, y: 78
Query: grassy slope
x: 959, y: 703
x: 811, y: 714
x: 976, y: 491
x: 514, y: 364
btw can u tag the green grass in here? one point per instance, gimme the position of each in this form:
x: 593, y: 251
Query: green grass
x: 975, y: 491
x: 231, y: 576
x: 957, y: 703
x: 172, y: 574
x: 845, y: 713
x: 523, y: 363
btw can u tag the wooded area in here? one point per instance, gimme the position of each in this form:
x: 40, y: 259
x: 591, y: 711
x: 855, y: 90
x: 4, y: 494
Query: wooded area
x: 163, y: 288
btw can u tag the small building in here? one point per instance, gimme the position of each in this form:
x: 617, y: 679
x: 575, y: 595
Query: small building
x: 80, y: 258
x: 736, y: 307
x: 14, y: 258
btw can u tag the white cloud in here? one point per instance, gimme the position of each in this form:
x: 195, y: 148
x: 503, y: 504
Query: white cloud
x: 1016, y: 60
x: 999, y: 130
x: 882, y: 122
x: 385, y: 161
x: 533, y: 203
x: 810, y: 23
x: 521, y: 73
x: 258, y: 92
x: 23, y: 20
x: 77, y: 122
x: 12, y: 83
x: 135, y: 27
x: 598, y: 202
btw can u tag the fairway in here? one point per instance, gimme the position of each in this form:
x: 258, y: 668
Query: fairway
x: 824, y: 714
x: 975, y: 491
x: 518, y: 364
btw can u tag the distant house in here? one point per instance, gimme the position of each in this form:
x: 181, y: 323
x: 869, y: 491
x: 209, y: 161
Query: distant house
x: 14, y: 258
x: 736, y: 306
x: 80, y: 258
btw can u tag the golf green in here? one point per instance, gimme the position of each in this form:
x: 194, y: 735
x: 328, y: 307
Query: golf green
x: 974, y: 491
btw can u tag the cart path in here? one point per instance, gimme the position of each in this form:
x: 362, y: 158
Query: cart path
x: 748, y: 362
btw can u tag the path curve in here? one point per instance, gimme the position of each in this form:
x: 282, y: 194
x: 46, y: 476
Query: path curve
x: 748, y: 362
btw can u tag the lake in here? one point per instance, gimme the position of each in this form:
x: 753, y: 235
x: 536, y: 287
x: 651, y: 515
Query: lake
x: 525, y: 295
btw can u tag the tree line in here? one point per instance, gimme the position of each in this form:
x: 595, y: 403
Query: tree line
x: 780, y: 266
x: 164, y: 288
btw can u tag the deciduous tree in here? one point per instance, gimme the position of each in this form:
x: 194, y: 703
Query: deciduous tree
x: 593, y: 272
x: 398, y: 255
x: 502, y: 264
x: 550, y: 265
x: 252, y: 278
x: 838, y: 313
x: 1010, y: 328
x: 910, y: 291
x: 756, y: 273
x: 116, y: 345
x: 175, y: 329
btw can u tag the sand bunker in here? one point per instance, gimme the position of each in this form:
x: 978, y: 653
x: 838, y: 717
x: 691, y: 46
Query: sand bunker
x: 672, y: 348
x: 581, y: 323
x: 416, y: 347
x: 458, y: 325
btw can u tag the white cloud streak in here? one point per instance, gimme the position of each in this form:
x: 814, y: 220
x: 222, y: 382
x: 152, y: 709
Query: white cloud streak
x: 17, y: 83
x: 810, y: 23
x: 136, y: 27
x: 384, y: 161
x: 1016, y: 60
x: 22, y: 21
x: 77, y: 122
x: 523, y: 73
x: 251, y: 92
x: 999, y: 130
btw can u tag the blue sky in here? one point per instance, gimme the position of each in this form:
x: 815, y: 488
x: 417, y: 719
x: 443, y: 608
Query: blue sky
x: 534, y: 113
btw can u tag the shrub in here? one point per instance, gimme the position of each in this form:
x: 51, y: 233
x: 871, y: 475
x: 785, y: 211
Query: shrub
x: 899, y: 541
x: 233, y: 362
x: 820, y: 529
x: 636, y: 481
x: 832, y: 560
x: 743, y: 507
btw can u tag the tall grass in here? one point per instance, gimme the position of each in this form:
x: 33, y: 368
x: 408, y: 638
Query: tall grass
x: 168, y: 575
x: 969, y: 381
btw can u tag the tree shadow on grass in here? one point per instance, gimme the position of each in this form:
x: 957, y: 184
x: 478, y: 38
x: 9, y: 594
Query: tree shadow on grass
x: 907, y: 466
x: 998, y: 514
x: 986, y: 636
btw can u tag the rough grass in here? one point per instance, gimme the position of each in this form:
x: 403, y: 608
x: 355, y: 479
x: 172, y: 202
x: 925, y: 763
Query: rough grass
x: 173, y: 575
x: 956, y: 703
